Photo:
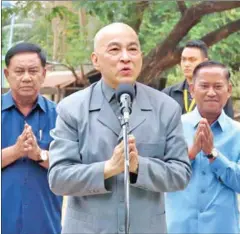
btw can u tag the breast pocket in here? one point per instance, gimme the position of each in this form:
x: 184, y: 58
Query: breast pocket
x: 44, y: 144
x: 155, y: 149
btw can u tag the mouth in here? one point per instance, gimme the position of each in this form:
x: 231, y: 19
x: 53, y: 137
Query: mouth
x: 26, y: 87
x: 126, y: 71
x: 210, y: 101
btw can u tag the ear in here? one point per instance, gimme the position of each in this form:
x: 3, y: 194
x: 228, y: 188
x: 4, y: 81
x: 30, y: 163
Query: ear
x: 6, y: 73
x: 43, y: 75
x: 205, y: 59
x: 94, y: 58
x: 191, y: 89
x: 229, y: 89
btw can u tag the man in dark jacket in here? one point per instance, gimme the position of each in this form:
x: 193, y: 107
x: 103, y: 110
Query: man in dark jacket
x: 194, y: 53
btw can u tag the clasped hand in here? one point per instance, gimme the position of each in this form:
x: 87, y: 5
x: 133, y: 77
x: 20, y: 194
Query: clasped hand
x: 203, y: 139
x: 116, y: 163
x: 27, y: 144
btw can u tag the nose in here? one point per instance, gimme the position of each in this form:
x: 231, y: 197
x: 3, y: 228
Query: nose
x: 125, y: 56
x: 211, y: 92
x: 26, y: 77
x: 186, y: 63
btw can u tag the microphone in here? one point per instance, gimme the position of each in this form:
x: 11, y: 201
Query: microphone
x: 125, y: 94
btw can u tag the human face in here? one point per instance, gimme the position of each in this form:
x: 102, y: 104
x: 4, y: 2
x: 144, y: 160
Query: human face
x: 190, y: 58
x: 118, y: 56
x: 25, y: 75
x: 211, y: 91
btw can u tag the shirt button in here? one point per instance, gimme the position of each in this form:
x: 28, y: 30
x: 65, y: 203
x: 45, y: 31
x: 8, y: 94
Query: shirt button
x: 25, y: 206
x: 201, y: 211
x: 121, y: 229
x: 203, y: 191
x: 203, y: 173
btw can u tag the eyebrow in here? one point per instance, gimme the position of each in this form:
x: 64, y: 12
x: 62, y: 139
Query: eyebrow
x: 191, y: 57
x: 34, y: 67
x: 206, y: 82
x: 31, y: 67
x: 133, y: 43
x: 118, y: 44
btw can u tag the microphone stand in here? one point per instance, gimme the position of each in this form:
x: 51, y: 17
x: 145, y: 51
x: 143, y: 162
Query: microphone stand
x: 125, y: 128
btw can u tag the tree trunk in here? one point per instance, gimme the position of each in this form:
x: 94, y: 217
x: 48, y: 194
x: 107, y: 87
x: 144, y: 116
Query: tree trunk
x: 167, y: 54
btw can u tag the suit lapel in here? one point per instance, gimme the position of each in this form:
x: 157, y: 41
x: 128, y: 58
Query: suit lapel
x: 106, y: 115
x: 108, y: 118
x: 140, y: 108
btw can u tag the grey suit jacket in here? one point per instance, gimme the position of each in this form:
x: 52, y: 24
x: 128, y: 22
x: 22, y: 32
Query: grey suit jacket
x: 87, y: 130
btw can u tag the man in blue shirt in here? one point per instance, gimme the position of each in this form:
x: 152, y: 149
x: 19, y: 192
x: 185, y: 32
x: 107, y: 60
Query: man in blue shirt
x: 194, y: 53
x: 209, y: 203
x: 28, y: 205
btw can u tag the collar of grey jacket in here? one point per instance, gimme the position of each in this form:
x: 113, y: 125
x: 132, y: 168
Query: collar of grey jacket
x: 109, y: 92
x: 141, y: 99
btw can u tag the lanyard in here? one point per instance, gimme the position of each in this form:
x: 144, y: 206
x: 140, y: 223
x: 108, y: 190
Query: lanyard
x: 188, y: 109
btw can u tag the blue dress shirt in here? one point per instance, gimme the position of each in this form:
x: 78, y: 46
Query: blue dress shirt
x: 209, y: 203
x: 28, y: 205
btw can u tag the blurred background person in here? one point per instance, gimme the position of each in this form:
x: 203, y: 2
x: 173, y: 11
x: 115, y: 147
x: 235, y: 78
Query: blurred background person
x: 194, y: 53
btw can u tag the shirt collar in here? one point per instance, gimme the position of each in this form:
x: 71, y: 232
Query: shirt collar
x: 221, y: 121
x: 41, y: 103
x: 109, y: 92
x: 196, y: 117
x: 9, y: 102
x: 181, y: 86
x: 185, y: 85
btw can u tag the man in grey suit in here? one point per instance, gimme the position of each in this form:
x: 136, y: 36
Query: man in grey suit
x: 87, y: 156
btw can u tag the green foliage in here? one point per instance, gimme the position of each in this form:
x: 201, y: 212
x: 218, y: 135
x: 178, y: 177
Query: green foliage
x: 226, y: 51
x: 61, y: 12
x: 157, y: 23
x: 159, y: 18
x: 110, y: 11
x: 174, y: 75
x: 22, y: 9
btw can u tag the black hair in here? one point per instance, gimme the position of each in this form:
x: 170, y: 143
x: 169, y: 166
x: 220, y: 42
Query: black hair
x: 211, y: 63
x: 199, y: 45
x: 25, y: 47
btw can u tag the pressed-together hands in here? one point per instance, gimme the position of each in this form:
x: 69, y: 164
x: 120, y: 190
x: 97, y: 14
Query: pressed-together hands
x: 115, y: 165
x: 203, y: 139
x: 26, y: 145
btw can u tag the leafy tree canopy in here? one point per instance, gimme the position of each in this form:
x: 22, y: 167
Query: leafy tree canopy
x: 163, y: 27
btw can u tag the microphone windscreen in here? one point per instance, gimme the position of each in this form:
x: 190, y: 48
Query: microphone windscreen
x: 125, y: 89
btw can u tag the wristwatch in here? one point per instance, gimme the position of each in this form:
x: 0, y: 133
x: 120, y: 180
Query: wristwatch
x: 214, y: 154
x: 43, y: 156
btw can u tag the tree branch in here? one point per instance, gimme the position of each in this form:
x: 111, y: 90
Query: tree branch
x: 191, y: 18
x: 210, y: 39
x: 182, y: 6
x: 140, y: 8
x: 152, y: 67
x: 221, y: 33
